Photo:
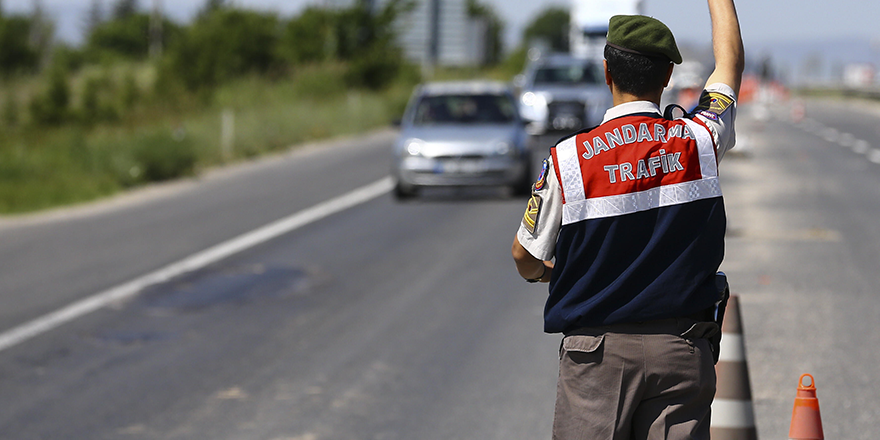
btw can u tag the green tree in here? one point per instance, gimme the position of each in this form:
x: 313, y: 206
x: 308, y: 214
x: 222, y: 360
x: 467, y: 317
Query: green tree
x: 359, y: 28
x: 128, y: 37
x: 124, y: 8
x: 17, y: 55
x: 551, y: 26
x: 367, y: 40
x: 225, y: 44
x: 69, y: 57
x: 211, y: 6
x: 94, y: 16
x: 495, y: 27
x: 310, y: 37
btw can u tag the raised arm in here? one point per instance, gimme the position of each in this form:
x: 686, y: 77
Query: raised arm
x: 726, y: 44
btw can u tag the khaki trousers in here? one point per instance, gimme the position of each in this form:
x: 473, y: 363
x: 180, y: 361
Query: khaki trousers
x: 644, y: 381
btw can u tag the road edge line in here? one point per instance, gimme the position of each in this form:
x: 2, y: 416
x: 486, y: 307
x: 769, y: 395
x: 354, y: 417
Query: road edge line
x: 50, y: 321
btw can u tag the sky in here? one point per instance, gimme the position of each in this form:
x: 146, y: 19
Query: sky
x: 761, y: 20
x: 765, y: 23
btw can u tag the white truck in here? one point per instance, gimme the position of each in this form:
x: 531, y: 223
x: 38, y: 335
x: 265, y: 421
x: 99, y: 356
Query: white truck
x: 589, y: 24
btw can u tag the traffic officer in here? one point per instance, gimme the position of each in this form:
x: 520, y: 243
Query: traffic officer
x: 632, y: 214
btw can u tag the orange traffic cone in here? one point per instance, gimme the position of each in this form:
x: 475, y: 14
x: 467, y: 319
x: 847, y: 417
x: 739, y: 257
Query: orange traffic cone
x: 806, y: 423
x: 733, y: 416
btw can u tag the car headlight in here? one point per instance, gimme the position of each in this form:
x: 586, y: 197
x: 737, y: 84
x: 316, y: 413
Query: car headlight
x: 532, y: 99
x: 413, y: 147
x: 503, y: 148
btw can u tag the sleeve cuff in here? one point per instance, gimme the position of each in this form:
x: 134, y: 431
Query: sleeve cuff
x: 543, y: 253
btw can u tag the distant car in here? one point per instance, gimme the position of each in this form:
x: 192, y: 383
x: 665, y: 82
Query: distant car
x: 461, y: 134
x: 563, y: 93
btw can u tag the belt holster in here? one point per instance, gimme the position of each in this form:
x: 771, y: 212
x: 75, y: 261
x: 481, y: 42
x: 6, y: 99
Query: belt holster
x: 718, y: 313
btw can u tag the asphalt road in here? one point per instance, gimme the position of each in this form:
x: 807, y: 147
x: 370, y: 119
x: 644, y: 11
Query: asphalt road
x: 802, y: 251
x: 407, y: 321
x: 52, y: 259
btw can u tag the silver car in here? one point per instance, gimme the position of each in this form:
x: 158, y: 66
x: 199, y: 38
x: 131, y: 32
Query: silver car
x: 461, y: 134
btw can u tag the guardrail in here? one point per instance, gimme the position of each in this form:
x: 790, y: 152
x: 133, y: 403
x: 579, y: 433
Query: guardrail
x: 867, y: 92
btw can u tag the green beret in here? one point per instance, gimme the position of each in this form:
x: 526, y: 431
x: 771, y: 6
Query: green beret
x: 642, y: 35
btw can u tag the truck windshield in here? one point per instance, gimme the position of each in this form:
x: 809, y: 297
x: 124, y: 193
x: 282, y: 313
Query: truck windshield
x: 464, y: 109
x: 580, y: 74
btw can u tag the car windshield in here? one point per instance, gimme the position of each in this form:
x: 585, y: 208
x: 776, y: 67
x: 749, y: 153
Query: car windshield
x: 579, y: 74
x: 464, y: 109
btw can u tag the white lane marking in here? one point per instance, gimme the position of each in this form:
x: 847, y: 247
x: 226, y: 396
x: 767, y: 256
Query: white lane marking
x: 196, y: 261
x: 861, y: 147
x: 727, y: 413
x: 831, y: 135
x: 847, y: 140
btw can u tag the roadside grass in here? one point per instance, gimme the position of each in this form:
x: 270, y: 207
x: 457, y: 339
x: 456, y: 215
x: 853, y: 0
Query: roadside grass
x: 124, y: 127
x: 157, y: 139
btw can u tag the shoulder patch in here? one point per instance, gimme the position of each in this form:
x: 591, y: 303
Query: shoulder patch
x: 714, y: 102
x: 533, y: 212
x: 542, y: 178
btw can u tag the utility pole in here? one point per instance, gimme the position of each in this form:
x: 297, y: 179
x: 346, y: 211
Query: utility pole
x: 41, y: 33
x: 95, y: 16
x: 37, y: 17
x: 156, y: 18
x: 434, y: 32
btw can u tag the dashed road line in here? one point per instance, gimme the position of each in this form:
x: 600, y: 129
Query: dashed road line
x: 831, y: 135
x: 846, y: 140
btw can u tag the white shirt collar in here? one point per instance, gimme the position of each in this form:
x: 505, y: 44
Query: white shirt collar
x: 629, y: 108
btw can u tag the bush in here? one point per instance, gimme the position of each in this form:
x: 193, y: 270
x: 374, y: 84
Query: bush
x: 95, y: 103
x: 162, y: 156
x: 130, y: 92
x: 374, y: 70
x: 514, y: 63
x: 320, y: 81
x: 91, y: 105
x: 10, y: 111
x: 51, y: 108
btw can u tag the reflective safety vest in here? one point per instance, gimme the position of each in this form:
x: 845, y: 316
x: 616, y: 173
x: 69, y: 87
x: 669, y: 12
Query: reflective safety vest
x: 643, y: 223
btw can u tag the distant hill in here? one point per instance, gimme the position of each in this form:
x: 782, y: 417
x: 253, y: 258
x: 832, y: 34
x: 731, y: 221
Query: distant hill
x: 800, y: 62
